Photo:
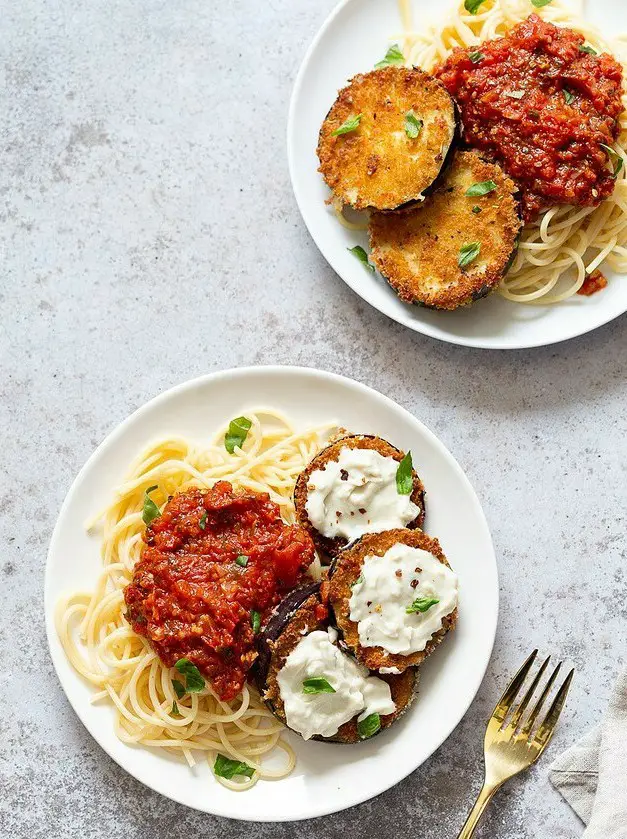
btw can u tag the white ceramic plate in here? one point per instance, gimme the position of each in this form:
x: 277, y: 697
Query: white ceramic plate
x: 354, y: 37
x: 328, y: 777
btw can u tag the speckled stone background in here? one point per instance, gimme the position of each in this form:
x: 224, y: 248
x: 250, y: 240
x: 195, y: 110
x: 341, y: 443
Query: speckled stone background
x: 149, y: 234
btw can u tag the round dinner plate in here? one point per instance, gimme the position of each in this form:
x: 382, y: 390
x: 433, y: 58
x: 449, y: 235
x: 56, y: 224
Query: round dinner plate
x: 354, y: 37
x: 328, y: 777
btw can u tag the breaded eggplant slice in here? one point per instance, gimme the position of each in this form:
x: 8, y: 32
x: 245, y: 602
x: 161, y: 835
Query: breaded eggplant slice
x: 407, y: 126
x: 418, y: 251
x: 330, y: 546
x: 345, y: 572
x: 297, y: 615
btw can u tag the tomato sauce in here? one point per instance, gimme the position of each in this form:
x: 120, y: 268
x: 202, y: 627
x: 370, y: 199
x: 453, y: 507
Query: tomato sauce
x: 542, y: 107
x: 191, y: 598
x: 593, y: 282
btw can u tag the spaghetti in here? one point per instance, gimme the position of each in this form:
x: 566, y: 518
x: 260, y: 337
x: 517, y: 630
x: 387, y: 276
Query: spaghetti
x: 120, y: 664
x: 566, y: 244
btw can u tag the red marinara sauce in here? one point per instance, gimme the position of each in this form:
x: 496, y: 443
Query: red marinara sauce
x: 192, y: 600
x: 541, y: 107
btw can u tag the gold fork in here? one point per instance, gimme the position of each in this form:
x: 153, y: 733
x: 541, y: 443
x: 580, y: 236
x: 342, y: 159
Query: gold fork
x: 513, y: 746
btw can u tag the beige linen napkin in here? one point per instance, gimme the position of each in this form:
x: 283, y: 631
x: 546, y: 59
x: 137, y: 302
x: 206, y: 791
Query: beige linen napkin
x: 592, y: 774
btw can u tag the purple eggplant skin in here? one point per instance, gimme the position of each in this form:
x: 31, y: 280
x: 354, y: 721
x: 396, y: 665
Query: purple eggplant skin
x: 279, y: 619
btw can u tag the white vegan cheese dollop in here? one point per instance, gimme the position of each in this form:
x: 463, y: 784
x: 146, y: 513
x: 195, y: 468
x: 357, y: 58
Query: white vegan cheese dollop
x: 388, y: 585
x: 323, y: 713
x: 357, y: 494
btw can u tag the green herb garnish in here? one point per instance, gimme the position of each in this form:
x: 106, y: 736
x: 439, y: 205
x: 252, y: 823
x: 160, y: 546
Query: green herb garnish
x: 585, y: 48
x: 475, y: 56
x: 481, y: 188
x: 203, y: 520
x: 346, y: 127
x: 175, y: 708
x: 193, y: 679
x: 568, y: 97
x: 476, y: 209
x: 615, y: 158
x: 242, y: 561
x: 150, y: 511
x: 362, y: 256
x: 404, y: 477
x: 472, y: 6
x: 317, y: 684
x: 179, y: 688
x: 237, y: 433
x: 369, y: 726
x: 392, y: 56
x: 255, y: 621
x: 413, y: 125
x: 359, y: 580
x: 421, y: 604
x: 468, y: 253
x: 224, y: 767
x: 540, y: 3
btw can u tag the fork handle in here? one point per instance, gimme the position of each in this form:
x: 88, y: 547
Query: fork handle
x: 483, y: 799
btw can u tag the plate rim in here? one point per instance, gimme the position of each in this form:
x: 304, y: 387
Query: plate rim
x: 421, y: 327
x: 56, y: 652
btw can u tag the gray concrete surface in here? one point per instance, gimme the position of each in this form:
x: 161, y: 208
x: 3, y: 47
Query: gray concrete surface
x: 149, y: 234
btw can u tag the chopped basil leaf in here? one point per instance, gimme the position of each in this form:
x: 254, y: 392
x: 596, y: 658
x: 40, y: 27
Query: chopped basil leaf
x: 472, y: 6
x: 317, y: 684
x: 392, y: 56
x: 476, y: 209
x: 193, y: 679
x: 475, y: 56
x: 150, y: 511
x: 421, y: 604
x: 615, y: 158
x: 413, y: 125
x: 568, y: 96
x: 362, y: 256
x: 468, y: 253
x: 224, y: 767
x: 203, y: 520
x: 540, y: 3
x: 404, y: 477
x: 179, y: 688
x: 359, y: 580
x: 585, y: 48
x: 242, y: 561
x: 237, y: 433
x: 514, y: 94
x: 366, y: 728
x: 346, y: 127
x: 255, y: 621
x: 481, y: 188
x: 175, y: 708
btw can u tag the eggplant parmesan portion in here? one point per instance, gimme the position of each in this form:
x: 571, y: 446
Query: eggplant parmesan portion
x: 455, y: 247
x: 386, y: 138
x: 352, y: 487
x: 314, y: 686
x: 394, y: 598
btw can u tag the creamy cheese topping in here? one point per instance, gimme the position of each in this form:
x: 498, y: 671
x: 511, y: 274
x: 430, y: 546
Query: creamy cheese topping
x: 388, y: 585
x: 357, y: 494
x: 323, y: 713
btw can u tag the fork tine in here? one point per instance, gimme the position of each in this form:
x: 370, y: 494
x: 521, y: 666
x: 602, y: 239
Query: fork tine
x: 527, y: 697
x: 511, y: 691
x: 526, y: 729
x: 547, y: 726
